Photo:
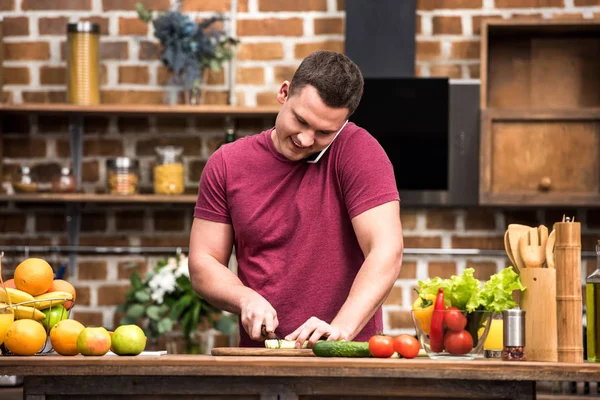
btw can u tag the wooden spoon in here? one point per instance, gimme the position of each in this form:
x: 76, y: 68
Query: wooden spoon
x: 532, y: 247
x: 515, y: 232
x: 509, y: 253
x: 550, y: 249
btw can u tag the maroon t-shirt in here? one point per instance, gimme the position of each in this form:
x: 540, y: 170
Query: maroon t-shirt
x: 294, y: 240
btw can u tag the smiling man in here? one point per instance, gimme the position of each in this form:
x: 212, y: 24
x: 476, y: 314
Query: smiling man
x: 315, y: 221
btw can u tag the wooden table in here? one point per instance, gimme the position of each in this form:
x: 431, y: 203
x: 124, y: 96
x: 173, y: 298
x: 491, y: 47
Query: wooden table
x: 282, y: 378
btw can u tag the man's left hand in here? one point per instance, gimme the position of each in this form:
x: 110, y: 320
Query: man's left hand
x: 313, y: 330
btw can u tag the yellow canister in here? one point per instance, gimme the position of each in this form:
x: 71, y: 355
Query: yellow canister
x: 83, y: 63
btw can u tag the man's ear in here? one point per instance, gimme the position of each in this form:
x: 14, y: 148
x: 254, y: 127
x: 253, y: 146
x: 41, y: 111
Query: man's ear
x: 283, y: 93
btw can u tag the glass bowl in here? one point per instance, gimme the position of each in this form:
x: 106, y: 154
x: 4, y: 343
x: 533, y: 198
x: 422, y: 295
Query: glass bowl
x: 456, y: 344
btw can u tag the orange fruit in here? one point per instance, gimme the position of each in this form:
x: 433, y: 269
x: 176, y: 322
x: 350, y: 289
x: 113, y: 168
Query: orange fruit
x: 59, y: 285
x: 10, y: 283
x: 25, y: 337
x: 63, y: 337
x: 34, y: 276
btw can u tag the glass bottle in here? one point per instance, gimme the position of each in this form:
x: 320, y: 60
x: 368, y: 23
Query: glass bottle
x: 229, y: 137
x: 592, y: 295
x: 65, y: 182
x: 168, y: 171
x: 24, y: 182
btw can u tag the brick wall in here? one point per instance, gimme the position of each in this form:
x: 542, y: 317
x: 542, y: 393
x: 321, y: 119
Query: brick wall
x: 276, y: 35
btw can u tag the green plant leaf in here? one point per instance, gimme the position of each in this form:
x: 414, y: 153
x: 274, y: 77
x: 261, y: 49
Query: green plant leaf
x: 165, y: 325
x: 227, y: 324
x: 142, y: 296
x: 135, y: 311
x: 153, y: 312
x: 136, y: 281
x: 145, y: 15
x: 127, y: 320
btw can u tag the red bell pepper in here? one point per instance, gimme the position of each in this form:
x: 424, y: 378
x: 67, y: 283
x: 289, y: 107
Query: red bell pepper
x: 436, y: 334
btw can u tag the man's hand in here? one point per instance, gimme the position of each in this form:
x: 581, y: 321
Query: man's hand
x: 258, y: 317
x: 312, y: 330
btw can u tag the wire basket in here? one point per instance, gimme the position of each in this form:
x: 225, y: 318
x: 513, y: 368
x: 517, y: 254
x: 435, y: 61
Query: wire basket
x: 35, y: 310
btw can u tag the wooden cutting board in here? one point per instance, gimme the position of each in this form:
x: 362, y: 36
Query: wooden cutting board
x: 257, y: 351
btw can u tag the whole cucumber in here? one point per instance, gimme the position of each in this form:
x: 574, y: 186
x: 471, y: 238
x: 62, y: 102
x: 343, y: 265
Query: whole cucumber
x: 341, y: 349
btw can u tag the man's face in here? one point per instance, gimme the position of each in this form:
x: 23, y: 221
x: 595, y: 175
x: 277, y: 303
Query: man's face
x: 305, y: 125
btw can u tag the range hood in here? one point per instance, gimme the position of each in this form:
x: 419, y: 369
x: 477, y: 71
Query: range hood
x: 429, y: 127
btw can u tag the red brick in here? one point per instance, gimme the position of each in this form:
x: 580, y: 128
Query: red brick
x: 441, y: 219
x: 132, y: 26
x: 427, y: 50
x: 102, y: 240
x: 88, y: 318
x: 46, y: 171
x: 528, y: 3
x: 13, y: 223
x: 7, y: 5
x: 524, y: 217
x: 52, y: 25
x: 45, y: 97
x: 132, y: 97
x: 163, y: 75
x: 103, y: 147
x: 15, y: 124
x: 27, y: 51
x: 134, y: 74
x: 93, y: 221
x: 95, y: 125
x: 133, y: 124
x: 341, y: 5
x: 26, y: 241
x: 126, y: 268
x: 259, y: 51
x: 447, y: 25
x: 24, y: 147
x: 53, y: 75
x: 16, y: 75
x: 114, y: 51
x: 129, y: 5
x: 297, y: 5
x: 100, y: 21
x: 220, y: 97
x: 589, y: 242
x: 92, y: 270
x: 191, y: 145
x: 270, y: 27
x: 27, y: 5
x: 418, y: 25
x: 284, y: 73
x: 593, y: 219
x: 252, y: 76
x: 475, y: 71
x: 214, y: 77
x: 478, y: 19
x: 83, y: 294
x: 329, y: 26
x: 400, y: 320
x: 443, y: 269
x: 302, y: 50
x: 194, y: 170
x: 446, y: 70
x: 149, y: 51
x: 54, y: 222
x: 15, y: 26
x: 483, y: 270
x: 567, y: 17
x: 480, y: 219
x: 466, y: 50
x: 267, y: 98
x: 582, y: 3
x: 482, y: 243
x: 408, y: 270
x: 171, y: 220
x: 430, y: 242
x: 409, y: 219
x: 219, y: 6
x: 395, y: 297
x: 430, y: 5
x: 131, y: 220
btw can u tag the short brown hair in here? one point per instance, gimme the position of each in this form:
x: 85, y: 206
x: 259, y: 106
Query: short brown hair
x: 337, y: 79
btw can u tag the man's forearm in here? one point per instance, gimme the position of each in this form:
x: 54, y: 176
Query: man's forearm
x: 370, y: 288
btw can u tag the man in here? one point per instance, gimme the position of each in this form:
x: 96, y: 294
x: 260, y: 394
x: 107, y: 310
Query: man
x: 319, y: 244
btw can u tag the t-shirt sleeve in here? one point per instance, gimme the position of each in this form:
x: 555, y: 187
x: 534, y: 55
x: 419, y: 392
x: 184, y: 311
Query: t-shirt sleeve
x: 366, y: 174
x: 212, y: 195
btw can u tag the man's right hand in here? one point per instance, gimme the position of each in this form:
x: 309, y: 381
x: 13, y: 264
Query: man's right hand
x: 257, y: 312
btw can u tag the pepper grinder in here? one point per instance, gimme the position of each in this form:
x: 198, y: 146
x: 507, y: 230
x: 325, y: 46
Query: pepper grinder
x: 513, y: 335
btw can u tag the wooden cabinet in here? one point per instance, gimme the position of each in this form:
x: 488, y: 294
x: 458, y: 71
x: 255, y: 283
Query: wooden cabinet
x: 540, y: 113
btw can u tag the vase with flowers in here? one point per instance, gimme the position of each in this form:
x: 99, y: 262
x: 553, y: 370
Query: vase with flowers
x: 189, y: 48
x: 164, y: 301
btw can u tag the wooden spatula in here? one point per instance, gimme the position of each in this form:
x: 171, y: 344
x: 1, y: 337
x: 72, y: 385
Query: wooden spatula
x: 515, y: 232
x: 509, y: 253
x: 550, y: 249
x: 532, y: 247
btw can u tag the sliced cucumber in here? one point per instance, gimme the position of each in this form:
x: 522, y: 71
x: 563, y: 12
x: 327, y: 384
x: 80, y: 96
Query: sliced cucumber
x: 282, y: 344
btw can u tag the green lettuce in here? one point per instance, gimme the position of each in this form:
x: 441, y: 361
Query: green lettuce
x: 497, y: 291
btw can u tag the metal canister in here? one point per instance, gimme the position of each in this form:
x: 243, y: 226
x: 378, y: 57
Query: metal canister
x: 83, y: 63
x: 513, y: 335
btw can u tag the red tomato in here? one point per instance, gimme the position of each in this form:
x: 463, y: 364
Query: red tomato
x: 407, y: 346
x: 455, y: 319
x: 458, y: 342
x: 381, y: 346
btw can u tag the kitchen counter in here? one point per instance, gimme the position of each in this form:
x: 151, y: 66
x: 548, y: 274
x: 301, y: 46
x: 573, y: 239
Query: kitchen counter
x: 284, y: 378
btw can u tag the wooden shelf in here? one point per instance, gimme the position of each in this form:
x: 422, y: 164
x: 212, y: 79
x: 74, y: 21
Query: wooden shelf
x: 97, y: 198
x: 139, y: 109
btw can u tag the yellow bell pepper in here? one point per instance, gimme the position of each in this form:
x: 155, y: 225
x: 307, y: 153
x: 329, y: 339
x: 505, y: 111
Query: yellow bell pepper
x: 423, y: 310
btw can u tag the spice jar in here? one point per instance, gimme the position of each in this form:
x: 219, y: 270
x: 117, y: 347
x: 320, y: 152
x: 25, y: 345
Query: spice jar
x: 65, y: 182
x: 83, y: 63
x: 24, y: 182
x: 122, y: 175
x: 168, y: 172
x: 514, y: 335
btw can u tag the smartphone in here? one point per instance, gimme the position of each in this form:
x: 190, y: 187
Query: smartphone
x: 316, y: 157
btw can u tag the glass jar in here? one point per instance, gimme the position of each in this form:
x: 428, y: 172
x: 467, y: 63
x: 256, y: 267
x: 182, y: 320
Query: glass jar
x: 65, y: 182
x: 122, y: 174
x: 23, y: 182
x: 592, y: 297
x: 83, y: 63
x: 168, y: 171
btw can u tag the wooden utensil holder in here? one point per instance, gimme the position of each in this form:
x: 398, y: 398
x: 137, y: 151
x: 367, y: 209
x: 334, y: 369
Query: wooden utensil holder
x: 567, y: 259
x: 539, y: 302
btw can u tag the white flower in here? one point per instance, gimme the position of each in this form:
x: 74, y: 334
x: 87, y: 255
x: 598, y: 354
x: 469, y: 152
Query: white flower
x: 164, y: 281
x: 183, y: 268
